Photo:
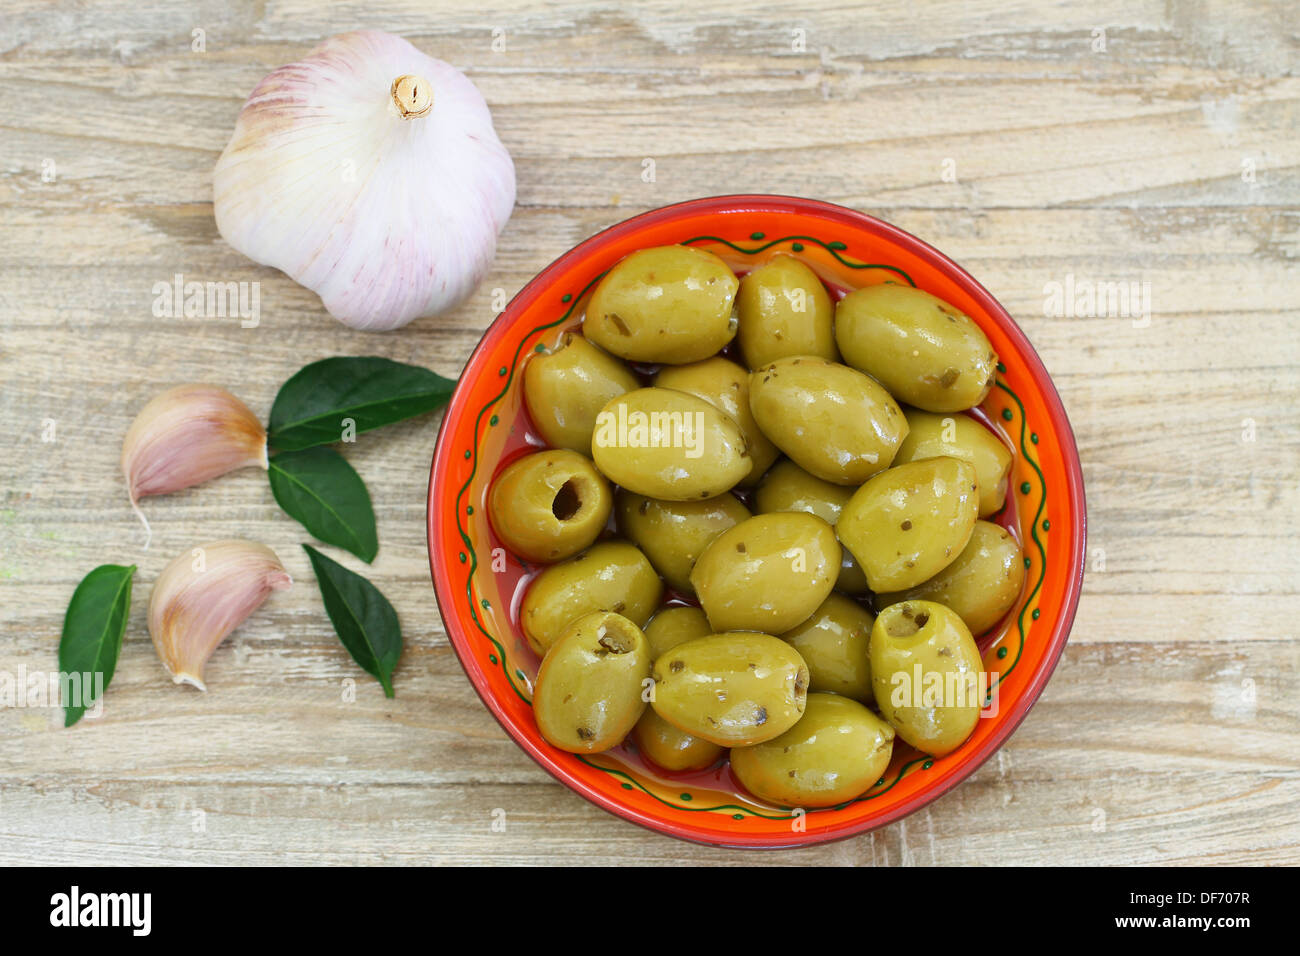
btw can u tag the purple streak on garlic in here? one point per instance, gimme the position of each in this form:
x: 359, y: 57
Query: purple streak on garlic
x: 370, y: 173
x: 186, y: 436
x: 203, y: 595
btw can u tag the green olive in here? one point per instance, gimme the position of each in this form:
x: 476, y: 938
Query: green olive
x: 852, y: 579
x: 733, y: 689
x: 725, y: 386
x: 663, y: 744
x: 768, y: 573
x: 666, y: 444
x: 670, y: 304
x: 610, y: 576
x: 832, y: 420
x: 566, y: 387
x: 784, y: 310
x: 549, y: 505
x: 981, y: 585
x: 787, y: 487
x: 675, y: 625
x: 591, y: 688
x: 673, y: 534
x: 837, y: 751
x: 833, y: 643
x: 923, y: 350
x: 909, y: 523
x: 925, y: 671
x: 960, y: 436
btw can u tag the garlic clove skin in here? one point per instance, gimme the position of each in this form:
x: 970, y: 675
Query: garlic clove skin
x: 186, y: 436
x: 370, y: 173
x: 203, y: 595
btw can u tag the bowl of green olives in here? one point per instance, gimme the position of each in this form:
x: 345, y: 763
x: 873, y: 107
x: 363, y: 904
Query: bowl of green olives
x: 756, y: 521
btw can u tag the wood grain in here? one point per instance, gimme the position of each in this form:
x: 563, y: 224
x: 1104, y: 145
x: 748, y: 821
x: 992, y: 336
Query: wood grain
x: 1169, y: 732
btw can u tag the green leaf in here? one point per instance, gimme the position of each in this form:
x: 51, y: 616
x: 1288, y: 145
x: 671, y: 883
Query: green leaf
x: 363, y: 619
x: 93, y: 629
x: 317, y: 404
x: 317, y: 487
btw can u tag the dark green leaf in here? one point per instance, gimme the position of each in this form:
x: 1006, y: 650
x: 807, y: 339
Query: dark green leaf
x: 92, y: 632
x: 316, y: 405
x: 364, y: 620
x: 317, y: 487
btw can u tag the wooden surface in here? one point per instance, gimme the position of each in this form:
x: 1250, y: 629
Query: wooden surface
x: 1169, y: 732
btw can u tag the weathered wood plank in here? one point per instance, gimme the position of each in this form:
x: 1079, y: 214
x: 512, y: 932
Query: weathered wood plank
x: 1168, y: 732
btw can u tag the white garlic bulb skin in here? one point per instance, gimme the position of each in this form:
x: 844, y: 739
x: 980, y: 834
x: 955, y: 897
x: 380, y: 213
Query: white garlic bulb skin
x: 387, y: 217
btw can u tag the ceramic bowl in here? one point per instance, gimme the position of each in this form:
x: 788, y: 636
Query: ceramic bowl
x: 479, y: 585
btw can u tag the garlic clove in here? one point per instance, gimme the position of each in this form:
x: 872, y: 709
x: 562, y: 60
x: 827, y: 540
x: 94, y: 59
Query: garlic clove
x: 203, y: 595
x: 186, y: 436
x: 370, y: 173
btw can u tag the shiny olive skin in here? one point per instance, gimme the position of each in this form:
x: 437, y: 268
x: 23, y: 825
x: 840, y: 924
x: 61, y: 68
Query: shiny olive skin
x: 565, y: 388
x: 610, y: 576
x: 725, y: 386
x: 732, y: 689
x: 664, y: 745
x: 667, y: 444
x: 833, y: 643
x: 787, y: 487
x: 670, y: 304
x: 784, y: 310
x: 832, y: 420
x: 673, y: 534
x: 937, y: 714
x: 837, y: 751
x: 980, y: 586
x: 909, y: 523
x: 549, y: 505
x: 960, y: 436
x: 922, y: 349
x: 768, y: 573
x: 675, y: 625
x: 590, y: 688
x: 852, y: 579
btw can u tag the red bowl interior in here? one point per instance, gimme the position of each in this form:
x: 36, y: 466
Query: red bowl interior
x: 479, y: 584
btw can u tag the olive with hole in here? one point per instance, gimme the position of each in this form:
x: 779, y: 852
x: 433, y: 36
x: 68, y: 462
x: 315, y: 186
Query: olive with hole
x: 673, y: 534
x: 784, y: 310
x: 667, y: 444
x: 725, y: 386
x: 768, y: 573
x: 832, y: 420
x: 549, y: 505
x: 591, y: 688
x: 675, y: 625
x: 833, y: 643
x: 733, y: 689
x: 610, y: 576
x: 567, y: 386
x: 959, y: 436
x: 980, y: 586
x: 669, y: 304
x: 909, y: 523
x: 787, y: 487
x: 664, y: 745
x: 925, y: 674
x: 925, y: 351
x: 837, y: 751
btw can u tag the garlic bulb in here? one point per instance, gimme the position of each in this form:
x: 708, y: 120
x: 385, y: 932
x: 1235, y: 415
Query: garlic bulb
x: 371, y: 174
x: 203, y: 595
x: 185, y: 436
